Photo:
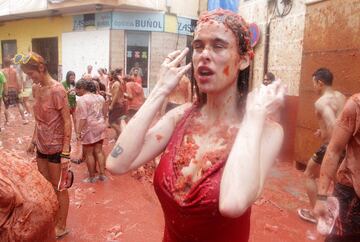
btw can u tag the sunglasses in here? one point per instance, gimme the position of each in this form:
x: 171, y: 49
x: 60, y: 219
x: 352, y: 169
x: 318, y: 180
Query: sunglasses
x: 24, y: 59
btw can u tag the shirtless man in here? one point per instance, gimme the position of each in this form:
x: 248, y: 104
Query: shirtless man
x: 11, y: 94
x: 180, y: 95
x: 327, y: 109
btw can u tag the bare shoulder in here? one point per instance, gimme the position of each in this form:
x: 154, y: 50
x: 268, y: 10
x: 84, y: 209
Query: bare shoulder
x: 177, y: 113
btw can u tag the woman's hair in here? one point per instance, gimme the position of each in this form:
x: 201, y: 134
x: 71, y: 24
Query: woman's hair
x: 80, y: 84
x: 114, y: 74
x: 33, y: 63
x: 240, y: 29
x: 128, y: 78
x: 90, y: 86
x: 69, y: 74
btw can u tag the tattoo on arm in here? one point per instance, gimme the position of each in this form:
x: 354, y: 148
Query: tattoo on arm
x: 117, y: 150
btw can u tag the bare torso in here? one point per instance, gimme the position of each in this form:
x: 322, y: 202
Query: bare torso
x: 327, y: 109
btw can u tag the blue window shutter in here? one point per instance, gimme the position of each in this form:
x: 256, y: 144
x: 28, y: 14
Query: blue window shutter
x: 231, y: 5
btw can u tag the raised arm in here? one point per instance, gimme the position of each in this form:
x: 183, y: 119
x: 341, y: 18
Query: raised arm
x: 138, y: 144
x: 256, y: 146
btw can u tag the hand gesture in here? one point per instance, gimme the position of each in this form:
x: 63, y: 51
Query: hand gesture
x: 266, y: 100
x: 171, y: 71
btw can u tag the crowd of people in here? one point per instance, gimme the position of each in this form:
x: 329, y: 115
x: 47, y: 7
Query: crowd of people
x: 217, y: 138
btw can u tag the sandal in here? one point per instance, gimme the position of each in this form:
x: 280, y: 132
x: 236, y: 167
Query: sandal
x: 62, y: 234
x: 90, y: 180
x: 306, y: 215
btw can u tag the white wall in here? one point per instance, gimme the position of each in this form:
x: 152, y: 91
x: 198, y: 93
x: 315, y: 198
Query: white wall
x: 80, y: 49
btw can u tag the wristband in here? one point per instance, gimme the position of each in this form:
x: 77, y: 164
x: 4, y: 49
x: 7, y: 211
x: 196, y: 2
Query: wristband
x: 65, y: 155
x: 321, y: 197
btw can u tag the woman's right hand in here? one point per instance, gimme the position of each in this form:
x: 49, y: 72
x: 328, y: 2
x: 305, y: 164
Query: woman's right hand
x: 171, y: 71
x: 266, y: 100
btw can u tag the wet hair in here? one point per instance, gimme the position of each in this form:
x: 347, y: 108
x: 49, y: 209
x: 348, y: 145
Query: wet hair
x: 114, y: 74
x: 34, y: 62
x: 118, y: 71
x: 270, y: 75
x: 90, y: 86
x: 69, y: 74
x: 240, y: 29
x: 128, y: 78
x: 324, y: 75
x: 80, y: 84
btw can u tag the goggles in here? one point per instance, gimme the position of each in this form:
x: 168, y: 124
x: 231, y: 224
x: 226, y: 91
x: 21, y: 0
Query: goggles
x: 24, y: 59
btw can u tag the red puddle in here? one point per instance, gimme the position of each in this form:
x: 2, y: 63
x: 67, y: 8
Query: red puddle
x: 124, y: 208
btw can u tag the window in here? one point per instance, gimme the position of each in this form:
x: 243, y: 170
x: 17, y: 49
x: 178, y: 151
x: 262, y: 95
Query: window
x: 137, y: 54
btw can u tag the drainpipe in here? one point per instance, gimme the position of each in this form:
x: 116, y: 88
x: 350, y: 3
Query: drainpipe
x: 266, y: 47
x: 267, y: 37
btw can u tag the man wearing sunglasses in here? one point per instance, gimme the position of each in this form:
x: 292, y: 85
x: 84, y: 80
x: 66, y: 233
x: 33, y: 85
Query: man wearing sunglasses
x: 11, y: 94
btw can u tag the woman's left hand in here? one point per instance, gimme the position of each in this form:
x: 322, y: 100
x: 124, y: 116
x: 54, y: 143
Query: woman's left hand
x: 266, y: 100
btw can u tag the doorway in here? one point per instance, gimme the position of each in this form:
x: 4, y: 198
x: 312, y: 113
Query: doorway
x: 48, y: 48
x: 8, y: 49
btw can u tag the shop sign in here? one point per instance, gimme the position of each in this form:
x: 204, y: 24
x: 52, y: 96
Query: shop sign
x: 103, y: 20
x: 186, y: 25
x: 78, y: 22
x: 100, y: 21
x: 138, y: 21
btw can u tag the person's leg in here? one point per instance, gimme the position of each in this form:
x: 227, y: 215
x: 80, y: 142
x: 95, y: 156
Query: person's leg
x: 311, y: 173
x: 88, y: 151
x: 74, y: 121
x: 26, y: 105
x: 100, y: 157
x: 63, y: 199
x: 42, y: 165
x: 116, y: 127
x: 21, y: 110
x: 6, y: 111
x: 122, y: 124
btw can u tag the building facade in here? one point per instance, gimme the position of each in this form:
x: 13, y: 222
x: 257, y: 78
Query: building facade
x: 297, y: 37
x: 105, y: 34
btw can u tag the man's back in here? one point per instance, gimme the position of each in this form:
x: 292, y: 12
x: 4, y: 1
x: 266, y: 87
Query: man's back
x: 327, y: 109
x: 11, y: 77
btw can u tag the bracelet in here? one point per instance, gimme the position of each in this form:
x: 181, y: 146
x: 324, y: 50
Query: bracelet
x: 321, y: 197
x: 65, y: 155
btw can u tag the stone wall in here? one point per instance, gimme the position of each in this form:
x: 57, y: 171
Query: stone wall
x: 117, y: 49
x: 285, y: 45
x: 332, y: 40
x: 161, y: 45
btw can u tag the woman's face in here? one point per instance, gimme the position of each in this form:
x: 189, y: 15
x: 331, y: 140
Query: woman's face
x: 266, y: 80
x: 34, y: 75
x: 80, y: 91
x: 72, y: 78
x: 215, y: 57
